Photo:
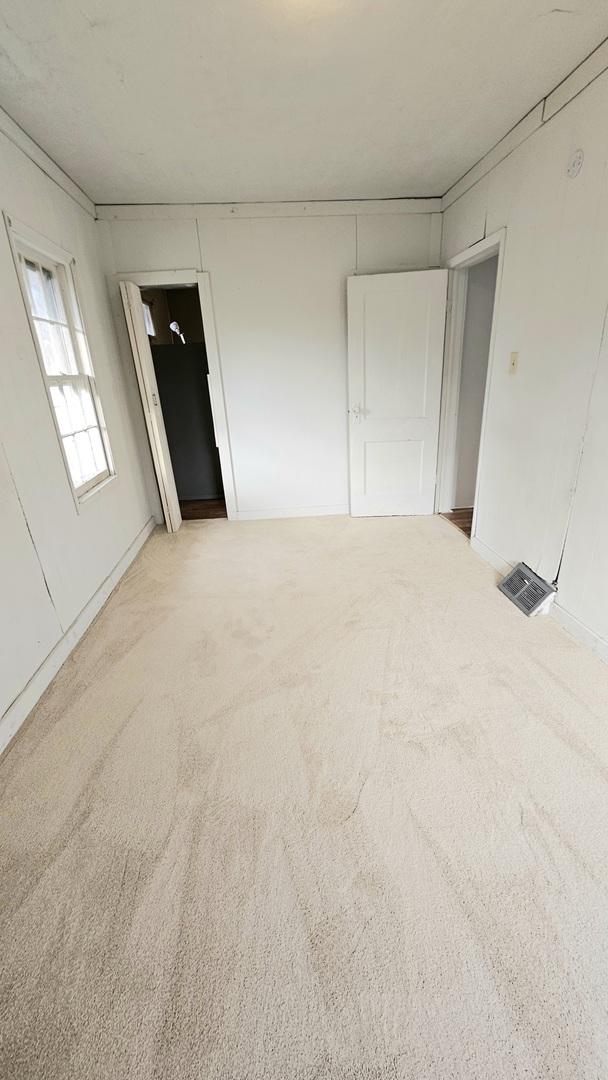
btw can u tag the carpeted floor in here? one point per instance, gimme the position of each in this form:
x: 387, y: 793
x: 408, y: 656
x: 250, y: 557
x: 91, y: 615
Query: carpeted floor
x: 311, y: 801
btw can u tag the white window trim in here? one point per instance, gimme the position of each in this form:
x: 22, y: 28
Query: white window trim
x: 25, y: 241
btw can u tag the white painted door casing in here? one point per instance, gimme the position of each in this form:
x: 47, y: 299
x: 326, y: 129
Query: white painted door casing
x: 396, y: 329
x: 146, y: 378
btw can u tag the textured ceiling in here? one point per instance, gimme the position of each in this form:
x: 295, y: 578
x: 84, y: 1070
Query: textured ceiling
x: 243, y: 100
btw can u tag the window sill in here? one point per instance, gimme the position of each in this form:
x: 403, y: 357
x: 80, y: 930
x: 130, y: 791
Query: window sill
x: 82, y: 500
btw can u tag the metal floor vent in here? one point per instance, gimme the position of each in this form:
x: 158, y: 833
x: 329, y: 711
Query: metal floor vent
x: 527, y: 590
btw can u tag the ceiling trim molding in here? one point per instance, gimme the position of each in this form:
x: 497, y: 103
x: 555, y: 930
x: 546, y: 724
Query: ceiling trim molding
x: 570, y: 87
x: 205, y: 211
x: 514, y: 138
x: 579, y: 79
x: 15, y: 134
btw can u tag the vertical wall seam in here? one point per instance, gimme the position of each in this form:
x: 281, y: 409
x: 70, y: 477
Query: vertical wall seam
x: 199, y: 245
x: 30, y: 534
x: 583, y: 441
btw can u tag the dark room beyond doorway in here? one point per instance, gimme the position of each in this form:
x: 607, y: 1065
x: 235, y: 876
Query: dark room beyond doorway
x: 177, y: 342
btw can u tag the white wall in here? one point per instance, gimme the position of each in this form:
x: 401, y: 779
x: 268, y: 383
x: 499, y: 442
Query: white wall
x: 481, y: 285
x: 278, y: 278
x: 551, y: 309
x: 54, y: 559
x: 583, y: 579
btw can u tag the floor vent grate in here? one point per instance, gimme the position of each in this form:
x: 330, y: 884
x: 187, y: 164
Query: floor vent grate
x: 527, y: 590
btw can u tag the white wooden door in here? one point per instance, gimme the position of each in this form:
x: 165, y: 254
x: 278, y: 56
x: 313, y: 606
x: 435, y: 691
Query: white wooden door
x: 144, y: 366
x: 396, y: 326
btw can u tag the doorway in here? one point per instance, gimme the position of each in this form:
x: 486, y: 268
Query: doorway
x: 473, y: 286
x: 177, y: 341
x: 171, y: 327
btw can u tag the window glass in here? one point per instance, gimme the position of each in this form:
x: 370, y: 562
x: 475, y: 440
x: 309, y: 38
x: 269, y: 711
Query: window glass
x: 148, y: 320
x: 67, y: 368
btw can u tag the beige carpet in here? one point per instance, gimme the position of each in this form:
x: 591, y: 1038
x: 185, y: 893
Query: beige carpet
x: 311, y: 801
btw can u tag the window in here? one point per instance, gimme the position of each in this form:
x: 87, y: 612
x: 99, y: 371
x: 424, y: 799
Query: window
x: 65, y: 361
x: 148, y: 320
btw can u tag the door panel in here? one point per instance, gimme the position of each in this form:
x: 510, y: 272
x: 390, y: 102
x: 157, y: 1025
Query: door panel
x: 395, y: 464
x: 393, y: 341
x: 146, y: 378
x: 396, y: 326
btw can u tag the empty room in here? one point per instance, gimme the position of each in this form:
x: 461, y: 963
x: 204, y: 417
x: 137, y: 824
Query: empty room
x: 304, y: 540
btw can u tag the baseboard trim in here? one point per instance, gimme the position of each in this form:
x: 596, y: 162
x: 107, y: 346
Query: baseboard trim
x: 568, y: 622
x: 291, y: 512
x: 490, y: 556
x: 23, y: 704
x: 582, y: 633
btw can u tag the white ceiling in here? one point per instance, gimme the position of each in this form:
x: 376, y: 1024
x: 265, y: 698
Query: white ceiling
x: 244, y: 100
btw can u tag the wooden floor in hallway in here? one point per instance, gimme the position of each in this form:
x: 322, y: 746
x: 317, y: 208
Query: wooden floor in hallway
x: 461, y: 518
x: 198, y: 509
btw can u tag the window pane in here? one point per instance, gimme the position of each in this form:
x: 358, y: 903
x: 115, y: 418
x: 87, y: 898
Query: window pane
x: 85, y: 356
x: 33, y: 278
x: 56, y: 348
x: 86, y: 404
x: 73, y: 406
x: 99, y: 453
x: 73, y: 460
x: 148, y: 320
x: 69, y: 350
x: 51, y: 346
x: 85, y: 454
x: 75, y: 410
x: 61, y: 409
x: 52, y: 293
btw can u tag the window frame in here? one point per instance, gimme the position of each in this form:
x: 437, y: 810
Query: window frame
x: 28, y: 245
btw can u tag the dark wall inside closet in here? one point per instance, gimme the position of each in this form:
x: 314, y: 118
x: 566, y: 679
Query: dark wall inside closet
x: 181, y: 374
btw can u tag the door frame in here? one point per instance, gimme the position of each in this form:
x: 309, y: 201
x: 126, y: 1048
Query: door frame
x: 150, y: 279
x: 458, y: 267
